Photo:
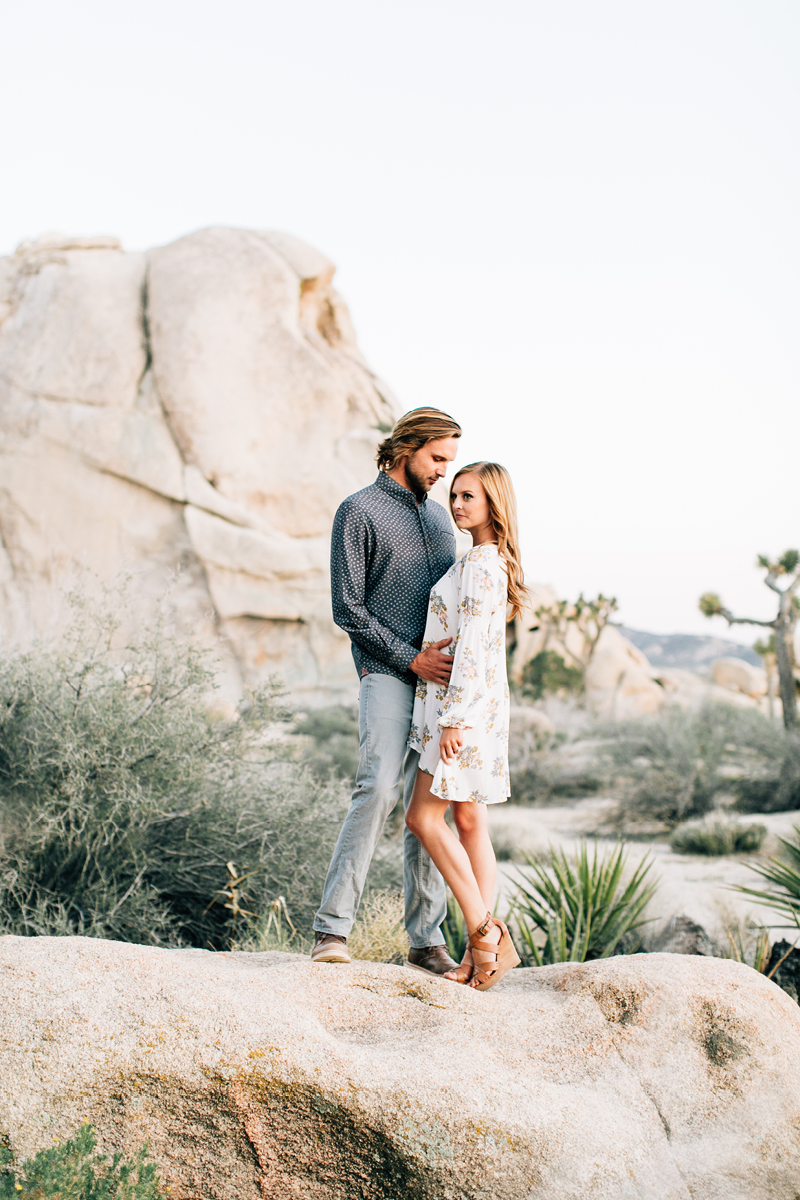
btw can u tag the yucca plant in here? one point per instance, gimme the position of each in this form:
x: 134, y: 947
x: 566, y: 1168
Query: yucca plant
x: 784, y: 896
x: 454, y: 929
x: 749, y: 944
x: 582, y: 905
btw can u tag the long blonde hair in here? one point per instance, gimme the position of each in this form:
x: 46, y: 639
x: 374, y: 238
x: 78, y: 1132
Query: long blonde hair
x: 503, y: 513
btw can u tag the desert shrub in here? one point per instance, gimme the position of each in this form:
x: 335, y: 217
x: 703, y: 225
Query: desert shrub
x: 547, y: 764
x: 122, y: 800
x: 334, y: 750
x: 379, y: 934
x: 671, y: 767
x: 548, y: 673
x: 532, y: 777
x: 773, y: 783
x: 716, y: 837
x: 72, y: 1170
x: 580, y: 907
x: 747, y: 943
x: 271, y: 929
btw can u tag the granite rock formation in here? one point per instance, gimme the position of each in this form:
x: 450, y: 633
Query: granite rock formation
x: 651, y: 1077
x: 202, y: 409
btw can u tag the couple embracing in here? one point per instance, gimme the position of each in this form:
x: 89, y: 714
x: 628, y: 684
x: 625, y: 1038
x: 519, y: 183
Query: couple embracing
x: 428, y: 640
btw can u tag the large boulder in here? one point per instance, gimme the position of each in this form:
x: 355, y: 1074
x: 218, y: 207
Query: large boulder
x: 687, y: 689
x: 201, y: 409
x: 736, y: 675
x: 658, y: 1077
x: 618, y: 679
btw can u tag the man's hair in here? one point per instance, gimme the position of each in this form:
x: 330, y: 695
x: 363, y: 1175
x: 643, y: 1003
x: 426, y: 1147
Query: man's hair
x: 411, y: 432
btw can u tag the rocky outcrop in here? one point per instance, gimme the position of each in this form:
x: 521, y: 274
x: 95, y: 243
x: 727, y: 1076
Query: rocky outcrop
x: 619, y: 681
x: 618, y: 678
x: 739, y: 676
x: 658, y: 1077
x: 201, y: 409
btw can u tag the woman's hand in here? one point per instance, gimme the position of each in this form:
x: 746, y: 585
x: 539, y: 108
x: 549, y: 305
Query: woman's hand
x: 450, y: 743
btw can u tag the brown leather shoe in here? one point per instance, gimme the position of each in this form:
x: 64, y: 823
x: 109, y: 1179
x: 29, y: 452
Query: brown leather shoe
x: 330, y: 947
x: 431, y: 960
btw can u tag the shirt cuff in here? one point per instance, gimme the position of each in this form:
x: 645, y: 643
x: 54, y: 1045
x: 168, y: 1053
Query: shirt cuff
x: 406, y: 656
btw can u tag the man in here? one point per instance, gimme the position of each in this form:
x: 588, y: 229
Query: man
x: 390, y: 545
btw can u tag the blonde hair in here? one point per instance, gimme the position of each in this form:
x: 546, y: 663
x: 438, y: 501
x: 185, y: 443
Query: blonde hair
x: 503, y: 513
x: 411, y: 432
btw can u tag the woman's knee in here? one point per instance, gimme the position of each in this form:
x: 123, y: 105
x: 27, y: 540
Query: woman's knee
x: 422, y: 819
x: 469, y: 818
x: 415, y: 820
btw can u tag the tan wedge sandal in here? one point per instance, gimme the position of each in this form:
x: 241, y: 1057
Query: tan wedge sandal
x: 465, y: 969
x: 504, y: 955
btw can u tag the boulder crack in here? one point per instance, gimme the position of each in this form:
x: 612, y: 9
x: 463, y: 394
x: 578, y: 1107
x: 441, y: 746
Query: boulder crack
x: 664, y: 1122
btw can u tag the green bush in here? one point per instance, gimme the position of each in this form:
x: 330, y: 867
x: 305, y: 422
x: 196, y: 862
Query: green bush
x: 581, y: 907
x: 547, y: 673
x: 775, y: 786
x: 545, y: 765
x: 716, y: 837
x: 334, y: 730
x: 72, y: 1170
x: 122, y: 800
x: 671, y: 767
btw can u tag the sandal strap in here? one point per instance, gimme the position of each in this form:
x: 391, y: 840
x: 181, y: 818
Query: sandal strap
x: 486, y: 947
x: 485, y: 923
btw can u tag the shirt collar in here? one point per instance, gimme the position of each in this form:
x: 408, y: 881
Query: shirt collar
x: 397, y: 490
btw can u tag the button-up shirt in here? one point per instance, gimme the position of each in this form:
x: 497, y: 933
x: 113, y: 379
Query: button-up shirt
x: 387, y: 552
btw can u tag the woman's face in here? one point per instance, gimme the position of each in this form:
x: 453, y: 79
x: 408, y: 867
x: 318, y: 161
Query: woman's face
x: 470, y: 504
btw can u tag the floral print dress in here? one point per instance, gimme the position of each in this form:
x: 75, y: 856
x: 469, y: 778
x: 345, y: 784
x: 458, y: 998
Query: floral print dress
x: 469, y: 605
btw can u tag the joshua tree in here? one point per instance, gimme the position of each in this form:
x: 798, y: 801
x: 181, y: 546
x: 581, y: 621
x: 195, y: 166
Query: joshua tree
x: 783, y: 626
x: 589, y: 616
x: 766, y: 650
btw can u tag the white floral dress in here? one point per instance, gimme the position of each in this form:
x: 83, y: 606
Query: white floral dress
x: 469, y: 605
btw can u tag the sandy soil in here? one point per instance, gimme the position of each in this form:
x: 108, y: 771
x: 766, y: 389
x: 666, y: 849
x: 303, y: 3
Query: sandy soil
x: 691, y: 885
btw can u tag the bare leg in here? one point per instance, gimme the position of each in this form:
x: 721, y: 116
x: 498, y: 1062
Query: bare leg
x: 425, y: 818
x: 472, y: 823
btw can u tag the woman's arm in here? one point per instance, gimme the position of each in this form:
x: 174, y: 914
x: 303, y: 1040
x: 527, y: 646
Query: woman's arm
x: 465, y: 699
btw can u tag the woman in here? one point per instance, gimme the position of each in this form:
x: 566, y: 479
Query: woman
x: 461, y: 731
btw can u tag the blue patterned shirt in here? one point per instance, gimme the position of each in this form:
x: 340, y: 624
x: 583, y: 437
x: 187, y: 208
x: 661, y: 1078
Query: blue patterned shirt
x: 387, y: 552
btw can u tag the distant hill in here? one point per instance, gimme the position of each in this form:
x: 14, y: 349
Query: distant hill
x: 690, y: 650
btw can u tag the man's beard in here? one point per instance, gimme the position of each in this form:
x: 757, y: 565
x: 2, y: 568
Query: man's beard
x: 420, y: 484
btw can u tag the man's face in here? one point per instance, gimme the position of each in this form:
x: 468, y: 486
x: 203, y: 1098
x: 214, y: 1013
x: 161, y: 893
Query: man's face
x: 430, y: 463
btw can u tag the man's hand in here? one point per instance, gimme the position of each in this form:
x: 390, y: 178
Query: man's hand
x: 450, y: 743
x: 432, y: 665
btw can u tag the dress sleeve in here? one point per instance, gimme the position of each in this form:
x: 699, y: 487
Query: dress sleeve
x: 467, y: 695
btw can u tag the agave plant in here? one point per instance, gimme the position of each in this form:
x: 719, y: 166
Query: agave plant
x: 784, y: 896
x: 582, y: 905
x: 454, y: 929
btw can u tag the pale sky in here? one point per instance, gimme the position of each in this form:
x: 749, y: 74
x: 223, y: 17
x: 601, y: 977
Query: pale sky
x: 573, y: 224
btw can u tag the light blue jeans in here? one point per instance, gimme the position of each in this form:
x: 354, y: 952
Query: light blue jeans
x: 384, y: 719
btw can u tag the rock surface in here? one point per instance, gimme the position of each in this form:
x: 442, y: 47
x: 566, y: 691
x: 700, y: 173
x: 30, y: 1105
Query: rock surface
x: 619, y: 682
x: 655, y: 1076
x: 739, y: 676
x: 201, y: 408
